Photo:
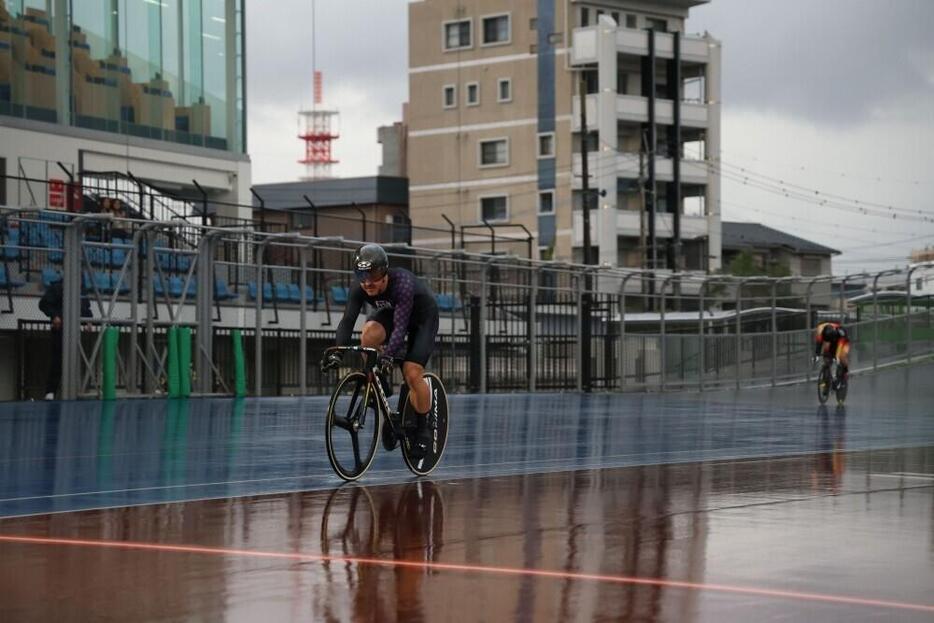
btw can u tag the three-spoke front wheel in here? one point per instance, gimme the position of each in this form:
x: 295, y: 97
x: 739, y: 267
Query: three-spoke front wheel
x: 352, y: 426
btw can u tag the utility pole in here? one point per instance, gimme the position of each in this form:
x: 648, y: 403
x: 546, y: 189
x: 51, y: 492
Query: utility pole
x: 585, y: 173
x: 585, y: 300
x: 642, y: 206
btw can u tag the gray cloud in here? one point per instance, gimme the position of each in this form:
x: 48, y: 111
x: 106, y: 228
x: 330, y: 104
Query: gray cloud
x: 362, y: 42
x: 834, y: 61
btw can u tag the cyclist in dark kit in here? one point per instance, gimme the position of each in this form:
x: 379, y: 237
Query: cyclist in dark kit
x: 403, y: 306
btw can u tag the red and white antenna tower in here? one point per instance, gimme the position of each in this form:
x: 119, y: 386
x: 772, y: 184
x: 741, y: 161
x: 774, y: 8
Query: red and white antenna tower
x: 318, y: 130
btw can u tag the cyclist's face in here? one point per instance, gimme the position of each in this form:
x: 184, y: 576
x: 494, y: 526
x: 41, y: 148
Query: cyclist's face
x: 374, y: 286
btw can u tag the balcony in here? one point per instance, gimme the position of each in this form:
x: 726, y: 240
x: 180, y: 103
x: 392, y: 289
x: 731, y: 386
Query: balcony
x: 636, y: 42
x: 694, y: 49
x: 635, y: 108
x: 627, y: 167
x: 627, y: 224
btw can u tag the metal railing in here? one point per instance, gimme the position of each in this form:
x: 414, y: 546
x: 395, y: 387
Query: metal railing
x: 507, y: 323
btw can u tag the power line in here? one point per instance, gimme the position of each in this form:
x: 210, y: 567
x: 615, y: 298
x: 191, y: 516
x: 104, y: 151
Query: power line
x: 817, y: 193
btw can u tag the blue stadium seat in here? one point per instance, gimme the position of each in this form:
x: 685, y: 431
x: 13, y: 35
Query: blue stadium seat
x: 50, y: 276
x: 11, y: 246
x: 104, y: 281
x: 171, y: 260
x: 267, y: 291
x: 222, y: 291
x: 339, y: 295
x: 177, y: 286
x: 447, y: 302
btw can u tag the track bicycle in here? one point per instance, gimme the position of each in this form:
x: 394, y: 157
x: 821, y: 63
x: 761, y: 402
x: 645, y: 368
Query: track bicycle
x: 828, y: 381
x: 359, y: 411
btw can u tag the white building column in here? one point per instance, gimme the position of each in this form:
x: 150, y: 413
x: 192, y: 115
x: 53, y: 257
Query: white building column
x: 604, y: 164
x: 712, y: 200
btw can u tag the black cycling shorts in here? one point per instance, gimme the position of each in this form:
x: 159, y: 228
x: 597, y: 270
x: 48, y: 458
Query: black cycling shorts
x: 421, y: 336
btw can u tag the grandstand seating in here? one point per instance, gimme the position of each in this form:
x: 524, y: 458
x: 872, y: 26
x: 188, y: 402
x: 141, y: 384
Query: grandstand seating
x: 104, y: 282
x: 282, y: 292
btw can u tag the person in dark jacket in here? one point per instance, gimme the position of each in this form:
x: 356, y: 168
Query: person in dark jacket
x: 51, y: 305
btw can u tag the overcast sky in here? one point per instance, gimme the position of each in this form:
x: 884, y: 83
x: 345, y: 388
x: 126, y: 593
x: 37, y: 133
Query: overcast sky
x: 835, y: 96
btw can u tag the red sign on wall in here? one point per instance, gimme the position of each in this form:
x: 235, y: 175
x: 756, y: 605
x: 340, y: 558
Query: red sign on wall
x: 56, y: 193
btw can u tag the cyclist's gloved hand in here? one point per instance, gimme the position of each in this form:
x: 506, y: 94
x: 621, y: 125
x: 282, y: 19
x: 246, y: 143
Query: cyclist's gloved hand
x: 332, y: 361
x: 385, y: 364
x: 817, y: 359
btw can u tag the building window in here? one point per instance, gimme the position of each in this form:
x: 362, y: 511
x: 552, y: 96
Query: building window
x: 659, y: 25
x: 810, y: 266
x: 449, y: 99
x: 473, y: 94
x: 546, y: 145
x: 504, y: 90
x: 585, y: 16
x: 457, y: 35
x: 494, y: 152
x: 546, y: 202
x: 615, y: 15
x: 496, y: 30
x: 533, y: 23
x: 630, y: 20
x: 495, y: 208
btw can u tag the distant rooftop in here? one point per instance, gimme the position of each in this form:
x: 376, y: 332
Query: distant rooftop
x: 335, y: 192
x: 739, y: 236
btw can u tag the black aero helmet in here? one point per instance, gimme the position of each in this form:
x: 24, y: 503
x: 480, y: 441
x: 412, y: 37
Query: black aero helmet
x: 370, y: 263
x: 829, y: 333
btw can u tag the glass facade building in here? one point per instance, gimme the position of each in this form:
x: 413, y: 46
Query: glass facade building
x: 170, y: 70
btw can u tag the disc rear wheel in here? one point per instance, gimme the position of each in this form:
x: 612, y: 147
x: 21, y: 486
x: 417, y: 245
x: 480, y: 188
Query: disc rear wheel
x: 424, y: 465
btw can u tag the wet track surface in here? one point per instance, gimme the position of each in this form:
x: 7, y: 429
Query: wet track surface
x: 756, y: 505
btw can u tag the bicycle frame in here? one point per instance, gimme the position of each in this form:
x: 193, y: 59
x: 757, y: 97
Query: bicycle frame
x: 370, y: 368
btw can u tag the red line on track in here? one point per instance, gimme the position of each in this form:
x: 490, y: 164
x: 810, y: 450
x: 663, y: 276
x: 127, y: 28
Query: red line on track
x: 441, y: 566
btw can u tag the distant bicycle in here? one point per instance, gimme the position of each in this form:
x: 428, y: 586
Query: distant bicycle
x: 359, y: 412
x: 829, y: 380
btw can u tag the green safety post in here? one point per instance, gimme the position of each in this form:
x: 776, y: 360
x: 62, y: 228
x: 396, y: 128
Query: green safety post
x: 184, y: 362
x: 109, y: 364
x: 173, y: 363
x: 239, y: 363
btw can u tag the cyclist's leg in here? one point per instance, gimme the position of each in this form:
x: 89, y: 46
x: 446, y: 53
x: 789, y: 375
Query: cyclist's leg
x: 421, y: 344
x: 843, y: 357
x: 419, y: 397
x: 376, y: 329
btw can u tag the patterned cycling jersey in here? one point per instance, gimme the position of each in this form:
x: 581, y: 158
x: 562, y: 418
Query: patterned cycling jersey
x: 410, y: 300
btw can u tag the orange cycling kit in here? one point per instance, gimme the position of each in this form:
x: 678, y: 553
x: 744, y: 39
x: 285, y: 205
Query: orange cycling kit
x: 833, y: 340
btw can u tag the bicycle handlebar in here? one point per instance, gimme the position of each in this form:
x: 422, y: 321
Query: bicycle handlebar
x: 369, y: 352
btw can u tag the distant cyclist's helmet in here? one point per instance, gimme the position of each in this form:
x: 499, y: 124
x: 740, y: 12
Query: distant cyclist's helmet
x: 829, y: 333
x: 370, y: 263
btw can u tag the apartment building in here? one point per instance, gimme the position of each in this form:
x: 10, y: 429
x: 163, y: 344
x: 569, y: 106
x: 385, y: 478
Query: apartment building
x: 495, y: 136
